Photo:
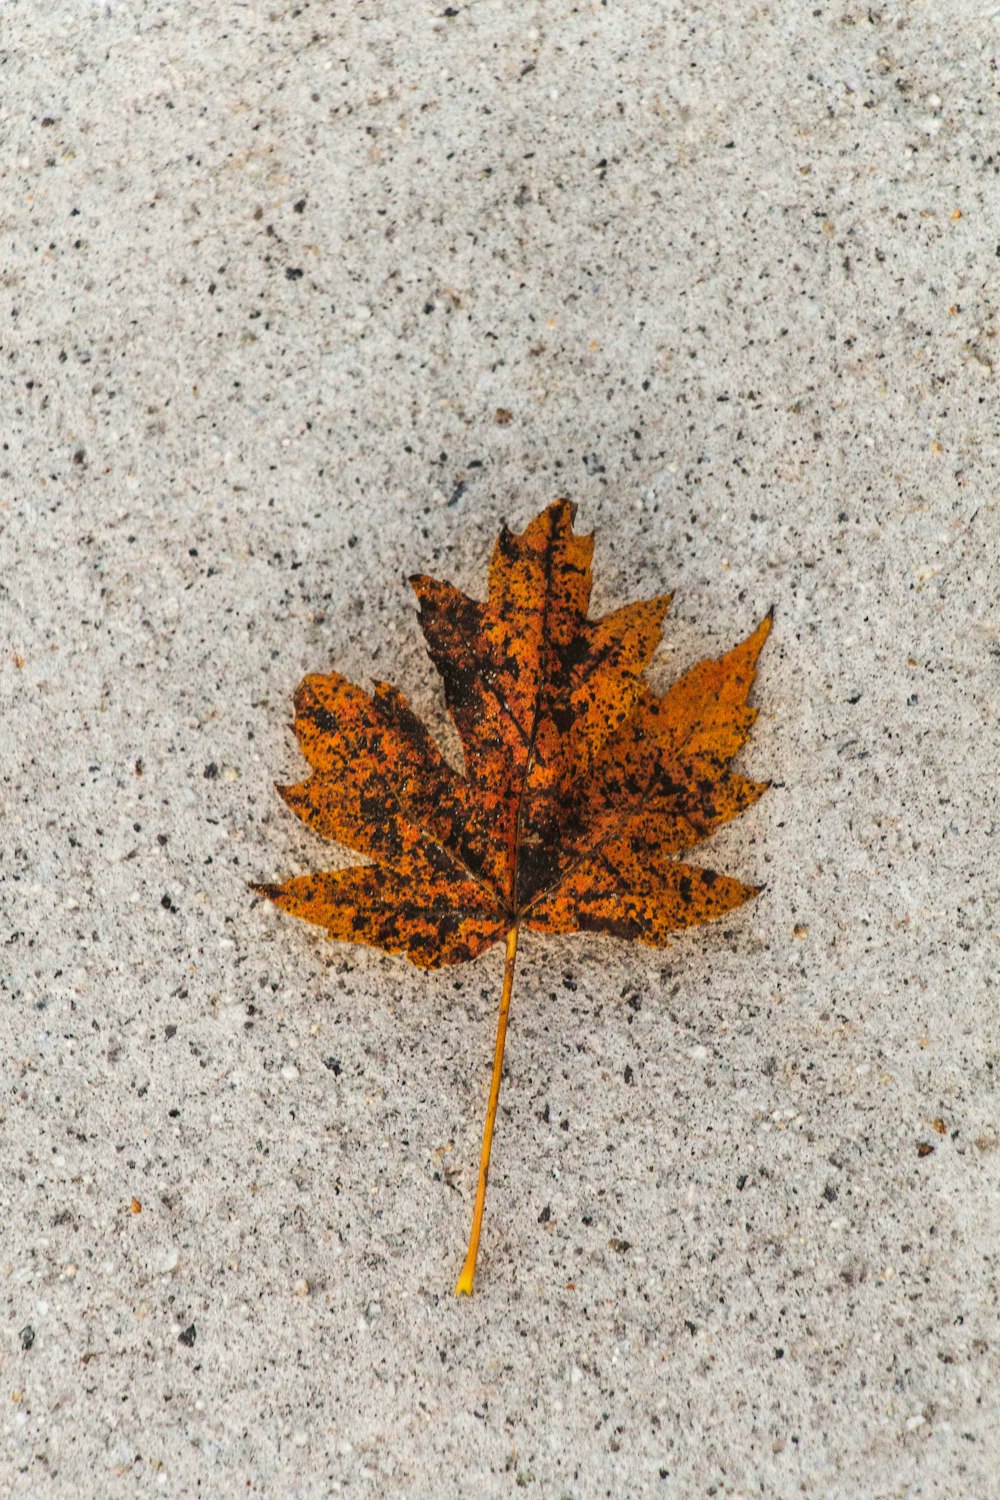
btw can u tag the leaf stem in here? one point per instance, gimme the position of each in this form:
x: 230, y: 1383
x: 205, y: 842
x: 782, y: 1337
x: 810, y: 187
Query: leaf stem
x: 463, y: 1285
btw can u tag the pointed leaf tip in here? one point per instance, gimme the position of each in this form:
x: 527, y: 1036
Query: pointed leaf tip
x: 260, y: 888
x: 754, y: 642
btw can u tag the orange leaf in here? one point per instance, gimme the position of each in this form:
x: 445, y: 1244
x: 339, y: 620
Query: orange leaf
x: 580, y: 785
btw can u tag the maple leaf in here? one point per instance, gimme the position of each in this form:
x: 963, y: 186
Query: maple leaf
x: 580, y: 787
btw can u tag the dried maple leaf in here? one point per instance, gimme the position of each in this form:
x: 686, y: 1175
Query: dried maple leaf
x: 581, y: 785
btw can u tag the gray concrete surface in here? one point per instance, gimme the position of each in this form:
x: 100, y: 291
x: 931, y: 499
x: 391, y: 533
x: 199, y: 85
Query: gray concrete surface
x: 269, y: 273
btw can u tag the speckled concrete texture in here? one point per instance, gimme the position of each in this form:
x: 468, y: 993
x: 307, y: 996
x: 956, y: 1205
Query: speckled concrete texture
x: 296, y: 300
